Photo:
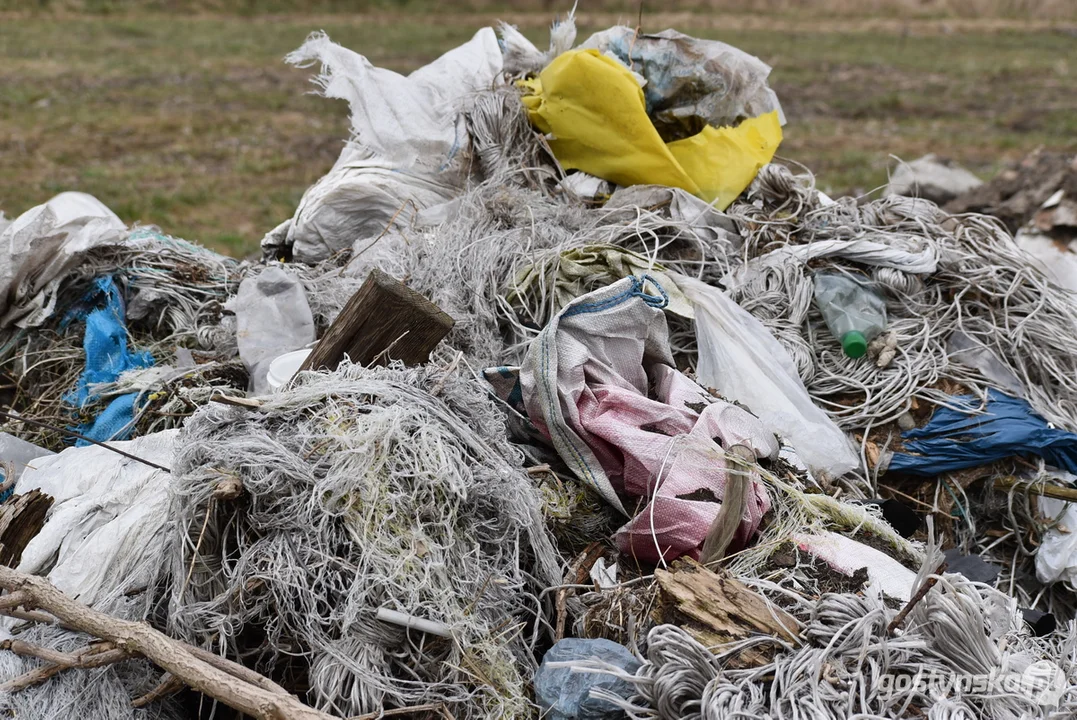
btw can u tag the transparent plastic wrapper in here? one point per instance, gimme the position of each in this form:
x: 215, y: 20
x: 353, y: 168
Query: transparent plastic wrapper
x: 563, y: 686
x: 272, y: 317
x: 854, y: 313
x: 15, y: 456
x: 967, y: 351
x: 743, y: 361
x: 691, y: 83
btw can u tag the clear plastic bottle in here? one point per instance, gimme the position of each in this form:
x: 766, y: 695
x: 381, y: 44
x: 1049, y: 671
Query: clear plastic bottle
x: 854, y: 313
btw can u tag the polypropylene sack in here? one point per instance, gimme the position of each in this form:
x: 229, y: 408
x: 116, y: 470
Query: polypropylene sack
x: 104, y: 532
x: 691, y: 83
x: 409, y: 146
x: 107, y: 358
x: 42, y: 246
x: 273, y: 317
x: 740, y: 358
x: 593, y: 110
x: 599, y: 383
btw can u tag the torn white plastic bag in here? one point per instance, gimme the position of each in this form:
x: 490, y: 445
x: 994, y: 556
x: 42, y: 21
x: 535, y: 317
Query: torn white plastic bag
x: 744, y: 362
x: 105, y: 530
x: 41, y: 246
x: 273, y: 317
x: 1056, y: 557
x: 409, y: 148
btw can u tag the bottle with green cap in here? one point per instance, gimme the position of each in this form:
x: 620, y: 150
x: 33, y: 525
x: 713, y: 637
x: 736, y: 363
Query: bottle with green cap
x: 854, y: 313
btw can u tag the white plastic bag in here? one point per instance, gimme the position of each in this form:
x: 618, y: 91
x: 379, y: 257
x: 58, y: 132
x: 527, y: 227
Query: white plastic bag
x: 104, y: 533
x: 409, y: 148
x: 1056, y: 558
x: 42, y: 246
x: 739, y: 358
x: 273, y: 317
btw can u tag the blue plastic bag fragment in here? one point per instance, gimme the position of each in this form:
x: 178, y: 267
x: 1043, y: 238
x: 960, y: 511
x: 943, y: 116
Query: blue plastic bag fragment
x: 955, y: 440
x: 107, y: 357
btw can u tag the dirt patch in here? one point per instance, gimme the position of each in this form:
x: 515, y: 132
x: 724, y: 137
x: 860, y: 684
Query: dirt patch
x: 1019, y: 190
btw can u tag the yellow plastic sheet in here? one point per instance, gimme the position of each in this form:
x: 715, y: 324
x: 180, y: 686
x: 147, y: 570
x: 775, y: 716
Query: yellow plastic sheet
x: 594, y: 110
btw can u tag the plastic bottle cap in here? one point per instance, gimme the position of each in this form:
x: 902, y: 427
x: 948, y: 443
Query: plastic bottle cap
x: 854, y: 344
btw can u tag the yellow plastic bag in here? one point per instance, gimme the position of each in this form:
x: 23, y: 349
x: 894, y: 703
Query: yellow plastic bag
x: 594, y: 110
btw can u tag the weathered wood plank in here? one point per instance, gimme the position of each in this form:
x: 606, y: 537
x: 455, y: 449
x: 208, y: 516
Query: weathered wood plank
x: 384, y: 320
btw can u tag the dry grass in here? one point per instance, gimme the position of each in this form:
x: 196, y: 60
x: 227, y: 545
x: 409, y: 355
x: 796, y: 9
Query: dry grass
x: 1025, y: 9
x: 194, y: 122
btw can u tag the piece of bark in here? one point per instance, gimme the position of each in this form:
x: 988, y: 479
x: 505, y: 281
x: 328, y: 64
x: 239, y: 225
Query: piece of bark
x: 384, y: 320
x: 173, y: 656
x: 21, y: 519
x: 716, y: 608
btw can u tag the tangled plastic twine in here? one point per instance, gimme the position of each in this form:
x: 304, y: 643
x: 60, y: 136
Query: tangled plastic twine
x: 365, y: 494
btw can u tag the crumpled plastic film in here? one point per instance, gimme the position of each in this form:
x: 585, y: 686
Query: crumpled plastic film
x: 594, y: 111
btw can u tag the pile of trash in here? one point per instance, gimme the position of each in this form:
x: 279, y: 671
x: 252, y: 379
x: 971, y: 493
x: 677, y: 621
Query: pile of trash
x: 560, y: 395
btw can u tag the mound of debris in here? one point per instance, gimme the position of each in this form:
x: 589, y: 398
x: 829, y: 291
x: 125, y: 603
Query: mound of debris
x: 557, y: 396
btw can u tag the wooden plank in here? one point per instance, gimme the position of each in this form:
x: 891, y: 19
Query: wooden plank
x: 21, y: 519
x: 384, y: 320
x: 717, y: 609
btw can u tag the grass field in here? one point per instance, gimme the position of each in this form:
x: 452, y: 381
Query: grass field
x: 191, y: 120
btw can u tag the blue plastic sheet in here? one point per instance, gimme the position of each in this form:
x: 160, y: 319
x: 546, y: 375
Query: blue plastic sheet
x: 107, y: 357
x: 955, y: 440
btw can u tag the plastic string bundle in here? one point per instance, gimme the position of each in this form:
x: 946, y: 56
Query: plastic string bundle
x: 175, y: 293
x: 364, y: 491
x: 848, y: 665
x: 939, y: 274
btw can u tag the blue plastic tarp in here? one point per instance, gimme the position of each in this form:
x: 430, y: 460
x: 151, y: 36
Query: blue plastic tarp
x: 107, y: 357
x: 956, y: 439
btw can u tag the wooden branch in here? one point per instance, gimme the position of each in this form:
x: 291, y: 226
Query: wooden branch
x: 581, y: 569
x: 21, y: 519
x: 917, y: 597
x: 175, y: 657
x: 35, y: 616
x: 384, y: 320
x: 53, y: 656
x: 237, y: 671
x: 169, y: 685
x: 716, y: 608
x: 88, y: 657
x: 13, y: 600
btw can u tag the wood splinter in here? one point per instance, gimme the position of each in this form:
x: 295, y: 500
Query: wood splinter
x: 716, y: 609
